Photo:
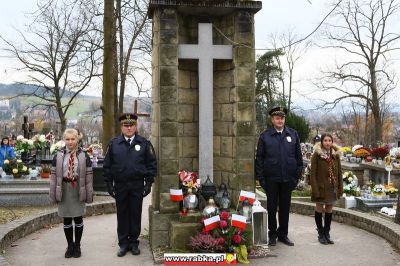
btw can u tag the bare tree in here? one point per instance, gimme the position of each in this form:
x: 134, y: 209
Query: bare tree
x: 293, y: 51
x: 363, y: 32
x: 133, y: 33
x: 129, y: 35
x: 59, y: 53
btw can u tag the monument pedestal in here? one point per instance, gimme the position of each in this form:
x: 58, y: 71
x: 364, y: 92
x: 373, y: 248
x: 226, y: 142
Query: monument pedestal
x: 203, y: 101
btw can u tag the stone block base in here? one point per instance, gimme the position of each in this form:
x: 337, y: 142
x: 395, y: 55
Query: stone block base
x: 159, y: 227
x: 180, y: 233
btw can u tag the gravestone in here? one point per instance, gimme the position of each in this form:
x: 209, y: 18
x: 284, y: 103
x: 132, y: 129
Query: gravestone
x: 203, y: 101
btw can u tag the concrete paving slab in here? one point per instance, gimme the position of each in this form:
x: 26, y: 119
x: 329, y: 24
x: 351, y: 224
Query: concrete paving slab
x: 99, y: 246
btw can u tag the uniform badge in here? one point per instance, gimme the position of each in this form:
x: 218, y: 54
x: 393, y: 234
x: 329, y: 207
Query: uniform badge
x: 289, y: 139
x: 137, y: 147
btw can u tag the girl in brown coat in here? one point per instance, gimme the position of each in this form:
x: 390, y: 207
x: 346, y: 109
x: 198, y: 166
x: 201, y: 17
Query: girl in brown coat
x: 326, y: 184
x: 71, y: 186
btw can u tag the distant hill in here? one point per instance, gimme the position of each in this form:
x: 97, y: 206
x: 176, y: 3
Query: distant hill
x: 7, y: 90
x: 81, y: 105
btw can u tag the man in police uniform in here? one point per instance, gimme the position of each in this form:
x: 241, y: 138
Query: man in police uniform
x: 278, y: 168
x: 129, y: 169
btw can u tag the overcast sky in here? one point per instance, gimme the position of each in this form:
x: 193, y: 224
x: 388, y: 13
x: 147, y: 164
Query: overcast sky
x: 276, y: 16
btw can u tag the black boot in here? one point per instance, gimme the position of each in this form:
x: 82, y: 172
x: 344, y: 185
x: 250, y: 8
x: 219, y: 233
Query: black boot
x: 69, y: 235
x: 320, y: 228
x: 327, y: 228
x: 78, y: 236
x: 70, y: 250
x: 77, y: 251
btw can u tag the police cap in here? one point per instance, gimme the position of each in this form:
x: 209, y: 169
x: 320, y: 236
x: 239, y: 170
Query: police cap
x: 278, y: 110
x: 128, y: 118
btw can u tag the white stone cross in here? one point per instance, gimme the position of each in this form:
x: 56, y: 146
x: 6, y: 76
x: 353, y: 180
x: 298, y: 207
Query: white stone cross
x: 205, y: 52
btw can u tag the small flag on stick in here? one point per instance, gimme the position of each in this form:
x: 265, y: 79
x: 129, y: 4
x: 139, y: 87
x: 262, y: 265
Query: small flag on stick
x: 176, y: 194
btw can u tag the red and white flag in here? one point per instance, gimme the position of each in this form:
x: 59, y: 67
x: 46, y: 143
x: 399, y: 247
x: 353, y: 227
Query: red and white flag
x: 176, y: 194
x: 250, y: 196
x: 239, y: 221
x: 211, y: 223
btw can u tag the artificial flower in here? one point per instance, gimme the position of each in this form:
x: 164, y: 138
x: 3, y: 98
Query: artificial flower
x: 224, y: 215
x: 237, y: 239
x: 223, y: 224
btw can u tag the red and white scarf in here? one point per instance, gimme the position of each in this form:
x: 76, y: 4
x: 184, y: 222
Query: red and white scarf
x: 327, y: 155
x: 71, y: 166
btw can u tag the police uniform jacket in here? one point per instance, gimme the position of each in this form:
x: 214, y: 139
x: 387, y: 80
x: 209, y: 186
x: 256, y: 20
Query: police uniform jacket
x: 279, y: 156
x: 124, y: 162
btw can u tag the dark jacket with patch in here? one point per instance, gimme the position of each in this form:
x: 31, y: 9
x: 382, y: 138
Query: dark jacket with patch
x: 124, y: 162
x: 278, y: 156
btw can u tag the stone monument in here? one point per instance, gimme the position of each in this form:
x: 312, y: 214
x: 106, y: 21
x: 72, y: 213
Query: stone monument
x: 203, y: 117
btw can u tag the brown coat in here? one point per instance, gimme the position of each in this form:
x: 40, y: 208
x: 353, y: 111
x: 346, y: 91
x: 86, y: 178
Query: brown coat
x: 85, y: 174
x: 320, y: 186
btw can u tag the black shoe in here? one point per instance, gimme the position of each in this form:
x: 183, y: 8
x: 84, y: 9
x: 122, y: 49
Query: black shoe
x: 122, y: 251
x: 135, y: 250
x: 77, y: 251
x: 285, y: 240
x: 328, y: 239
x: 272, y: 241
x: 322, y: 238
x: 70, y: 251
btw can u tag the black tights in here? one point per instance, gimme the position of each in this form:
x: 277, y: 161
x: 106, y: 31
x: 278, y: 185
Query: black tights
x: 68, y: 229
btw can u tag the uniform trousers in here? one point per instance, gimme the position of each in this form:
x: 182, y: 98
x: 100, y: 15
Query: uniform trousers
x: 129, y: 199
x: 278, y: 194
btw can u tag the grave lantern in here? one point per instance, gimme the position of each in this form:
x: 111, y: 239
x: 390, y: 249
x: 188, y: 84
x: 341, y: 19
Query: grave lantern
x: 225, y: 202
x: 208, y: 189
x: 259, y: 224
x: 190, y: 201
x: 245, y: 210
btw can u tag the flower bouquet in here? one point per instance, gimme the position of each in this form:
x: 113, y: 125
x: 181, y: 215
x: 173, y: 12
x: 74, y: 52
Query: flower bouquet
x: 95, y: 149
x: 362, y: 152
x: 391, y: 190
x: 23, y: 145
x: 57, y: 147
x: 15, y: 167
x: 223, y: 237
x: 189, y: 180
x: 378, y: 191
x: 350, y: 184
x: 395, y: 153
x: 346, y: 151
x: 379, y: 152
x: 40, y: 142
